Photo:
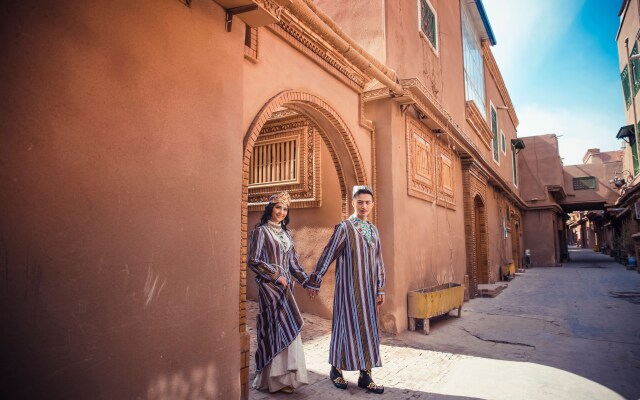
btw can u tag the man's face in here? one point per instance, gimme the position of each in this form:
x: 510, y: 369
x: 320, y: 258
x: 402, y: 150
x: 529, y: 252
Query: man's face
x: 363, y: 204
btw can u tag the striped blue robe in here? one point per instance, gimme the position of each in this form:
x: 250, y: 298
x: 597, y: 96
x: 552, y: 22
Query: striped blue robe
x: 360, y: 278
x: 278, y: 321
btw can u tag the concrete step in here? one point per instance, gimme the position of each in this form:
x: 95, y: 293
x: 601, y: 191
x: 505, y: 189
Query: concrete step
x: 492, y: 289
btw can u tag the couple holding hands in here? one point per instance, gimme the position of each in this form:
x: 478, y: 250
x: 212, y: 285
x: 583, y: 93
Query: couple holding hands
x: 359, y: 290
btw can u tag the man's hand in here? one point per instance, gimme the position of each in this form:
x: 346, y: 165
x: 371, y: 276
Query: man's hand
x: 283, y: 281
x: 312, y: 292
x: 380, y: 299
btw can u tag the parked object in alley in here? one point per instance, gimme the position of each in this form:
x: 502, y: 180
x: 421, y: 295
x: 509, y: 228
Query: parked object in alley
x: 508, y: 271
x: 432, y: 302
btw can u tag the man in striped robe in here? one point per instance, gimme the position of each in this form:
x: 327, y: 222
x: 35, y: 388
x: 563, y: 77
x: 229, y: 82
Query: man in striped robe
x: 359, y: 291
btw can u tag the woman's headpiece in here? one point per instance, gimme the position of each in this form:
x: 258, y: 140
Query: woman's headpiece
x: 282, y: 197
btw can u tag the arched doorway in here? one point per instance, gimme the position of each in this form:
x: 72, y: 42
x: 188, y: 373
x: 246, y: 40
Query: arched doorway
x: 345, y: 158
x: 480, y: 242
x: 515, y: 241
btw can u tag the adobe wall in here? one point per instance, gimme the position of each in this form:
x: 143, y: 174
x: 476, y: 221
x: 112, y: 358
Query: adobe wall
x: 362, y: 21
x: 500, y: 247
x: 311, y: 229
x: 604, y: 190
x: 538, y: 237
x: 539, y: 165
x: 121, y: 269
x: 281, y: 67
x: 436, y: 70
x: 423, y: 243
x: 505, y: 125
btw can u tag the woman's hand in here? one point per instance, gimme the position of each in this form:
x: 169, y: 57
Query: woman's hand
x: 283, y: 281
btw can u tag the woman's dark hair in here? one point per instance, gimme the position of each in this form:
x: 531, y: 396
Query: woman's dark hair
x: 362, y: 191
x: 266, y: 216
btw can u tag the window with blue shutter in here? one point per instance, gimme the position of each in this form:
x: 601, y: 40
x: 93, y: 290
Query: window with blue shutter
x: 635, y: 68
x: 624, y: 78
x: 634, y: 152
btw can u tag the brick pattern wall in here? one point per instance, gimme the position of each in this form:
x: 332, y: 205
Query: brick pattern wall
x: 475, y: 194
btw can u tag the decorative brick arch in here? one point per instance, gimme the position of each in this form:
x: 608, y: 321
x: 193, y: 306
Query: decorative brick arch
x: 476, y: 224
x: 346, y: 159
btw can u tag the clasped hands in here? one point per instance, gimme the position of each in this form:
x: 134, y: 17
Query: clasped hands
x: 313, y: 293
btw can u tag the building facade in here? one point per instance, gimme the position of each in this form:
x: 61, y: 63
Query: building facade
x: 137, y: 157
x: 567, y: 204
x: 626, y: 179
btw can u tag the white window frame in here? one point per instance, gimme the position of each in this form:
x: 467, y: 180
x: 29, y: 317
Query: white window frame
x: 436, y: 47
x: 473, y: 74
x: 495, y: 141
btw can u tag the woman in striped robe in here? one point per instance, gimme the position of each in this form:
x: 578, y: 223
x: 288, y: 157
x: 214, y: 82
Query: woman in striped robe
x: 359, y: 291
x: 272, y: 256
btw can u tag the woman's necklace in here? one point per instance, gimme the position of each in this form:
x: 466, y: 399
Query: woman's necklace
x: 278, y: 231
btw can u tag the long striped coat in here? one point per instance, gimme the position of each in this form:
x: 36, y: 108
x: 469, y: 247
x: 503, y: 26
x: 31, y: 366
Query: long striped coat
x: 278, y: 321
x: 359, y: 278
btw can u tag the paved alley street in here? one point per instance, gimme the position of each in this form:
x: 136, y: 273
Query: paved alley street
x: 554, y: 333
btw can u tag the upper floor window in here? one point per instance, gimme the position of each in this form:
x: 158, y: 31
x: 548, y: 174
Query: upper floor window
x: 624, y: 78
x: 584, y: 183
x: 429, y: 23
x: 494, y: 130
x: 503, y: 143
x: 473, y: 67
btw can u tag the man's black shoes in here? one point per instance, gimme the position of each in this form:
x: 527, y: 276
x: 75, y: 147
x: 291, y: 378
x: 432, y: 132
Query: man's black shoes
x: 336, y: 377
x: 366, y: 382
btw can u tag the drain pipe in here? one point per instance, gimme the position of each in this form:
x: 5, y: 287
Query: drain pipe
x: 306, y: 11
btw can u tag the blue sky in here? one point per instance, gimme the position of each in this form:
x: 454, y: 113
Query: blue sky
x: 559, y: 60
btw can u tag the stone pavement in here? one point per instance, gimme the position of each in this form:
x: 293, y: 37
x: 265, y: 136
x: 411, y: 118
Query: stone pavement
x: 554, y: 333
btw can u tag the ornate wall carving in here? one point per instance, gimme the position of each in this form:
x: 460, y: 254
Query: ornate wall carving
x: 430, y: 166
x: 420, y: 161
x: 445, y: 170
x: 306, y: 191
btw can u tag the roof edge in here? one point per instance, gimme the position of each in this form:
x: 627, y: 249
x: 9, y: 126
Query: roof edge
x: 485, y: 22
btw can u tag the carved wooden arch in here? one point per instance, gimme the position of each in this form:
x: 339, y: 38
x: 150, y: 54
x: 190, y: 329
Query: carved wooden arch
x: 347, y: 161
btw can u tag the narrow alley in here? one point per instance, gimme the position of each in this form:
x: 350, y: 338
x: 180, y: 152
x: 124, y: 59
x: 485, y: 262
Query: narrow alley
x: 554, y: 333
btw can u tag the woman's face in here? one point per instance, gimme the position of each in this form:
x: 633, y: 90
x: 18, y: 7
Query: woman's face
x: 279, y: 212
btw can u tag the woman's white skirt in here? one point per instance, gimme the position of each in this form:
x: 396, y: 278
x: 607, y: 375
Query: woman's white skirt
x: 286, y: 369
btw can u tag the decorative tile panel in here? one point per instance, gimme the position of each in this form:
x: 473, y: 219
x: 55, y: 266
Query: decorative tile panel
x: 446, y: 177
x: 420, y: 161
